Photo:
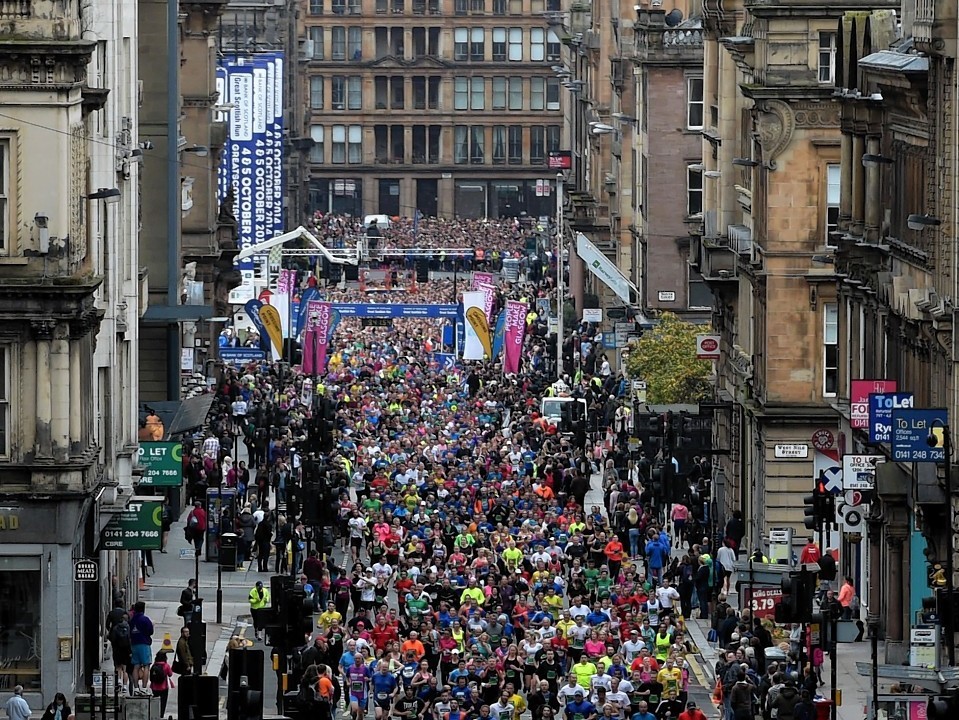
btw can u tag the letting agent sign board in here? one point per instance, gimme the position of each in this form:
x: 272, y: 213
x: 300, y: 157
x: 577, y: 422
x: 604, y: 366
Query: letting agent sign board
x: 881, y: 407
x: 859, y: 393
x: 136, y: 527
x: 911, y: 433
x: 162, y: 464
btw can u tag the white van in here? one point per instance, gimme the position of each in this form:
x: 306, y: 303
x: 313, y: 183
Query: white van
x: 551, y: 408
x: 382, y: 221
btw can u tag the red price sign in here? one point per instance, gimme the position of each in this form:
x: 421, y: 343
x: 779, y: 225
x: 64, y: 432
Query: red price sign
x: 762, y: 600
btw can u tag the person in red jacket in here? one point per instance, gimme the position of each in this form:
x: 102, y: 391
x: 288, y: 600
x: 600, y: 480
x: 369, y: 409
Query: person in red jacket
x: 692, y: 712
x: 810, y: 553
x: 195, y: 529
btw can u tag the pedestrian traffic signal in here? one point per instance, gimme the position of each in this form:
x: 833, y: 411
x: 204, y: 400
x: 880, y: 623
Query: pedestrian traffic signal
x: 943, y: 707
x: 798, y: 589
x: 244, y: 700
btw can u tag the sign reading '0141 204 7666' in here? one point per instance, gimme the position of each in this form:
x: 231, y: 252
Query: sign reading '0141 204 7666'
x: 162, y: 464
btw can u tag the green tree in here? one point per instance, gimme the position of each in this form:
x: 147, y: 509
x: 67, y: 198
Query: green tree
x: 665, y: 357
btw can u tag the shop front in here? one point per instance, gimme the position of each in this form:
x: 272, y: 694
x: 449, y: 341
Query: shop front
x: 49, y: 623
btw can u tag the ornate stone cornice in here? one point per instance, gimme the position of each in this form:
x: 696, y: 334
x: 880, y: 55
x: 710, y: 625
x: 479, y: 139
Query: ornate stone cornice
x: 774, y: 122
x: 42, y: 329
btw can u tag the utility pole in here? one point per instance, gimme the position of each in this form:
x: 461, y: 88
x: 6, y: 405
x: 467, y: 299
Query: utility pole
x: 560, y: 183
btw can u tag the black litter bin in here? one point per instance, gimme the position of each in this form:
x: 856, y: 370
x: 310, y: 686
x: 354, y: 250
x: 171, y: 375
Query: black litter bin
x: 227, y: 557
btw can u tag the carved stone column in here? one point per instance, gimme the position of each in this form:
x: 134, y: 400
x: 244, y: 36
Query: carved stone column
x: 858, y: 186
x: 894, y: 590
x: 43, y: 336
x: 62, y: 390
x: 873, y: 211
x: 845, y: 182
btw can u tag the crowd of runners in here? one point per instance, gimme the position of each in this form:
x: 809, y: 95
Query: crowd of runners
x: 467, y: 576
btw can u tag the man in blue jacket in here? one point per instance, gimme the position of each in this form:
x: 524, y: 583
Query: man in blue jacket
x: 657, y: 556
x: 141, y: 640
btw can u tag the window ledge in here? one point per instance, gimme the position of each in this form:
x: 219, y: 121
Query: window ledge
x: 14, y: 260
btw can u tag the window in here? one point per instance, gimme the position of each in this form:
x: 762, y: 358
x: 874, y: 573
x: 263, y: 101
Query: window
x: 694, y: 191
x: 552, y: 94
x: 553, y: 46
x: 478, y: 144
x: 461, y: 43
x: 554, y: 134
x: 830, y: 355
x: 20, y: 613
x: 515, y: 93
x: 499, y: 44
x: 355, y: 144
x: 478, y: 7
x: 339, y: 7
x: 338, y: 43
x: 317, y: 135
x: 537, y: 44
x: 5, y: 396
x: 354, y: 7
x: 338, y: 93
x: 477, y: 93
x: 477, y: 44
x: 316, y: 36
x: 499, y: 93
x: 515, y: 144
x: 381, y: 7
x: 537, y: 145
x: 316, y: 93
x: 499, y: 144
x: 316, y: 7
x: 461, y: 144
x: 354, y: 93
x: 537, y: 93
x: 516, y: 44
x: 460, y: 7
x: 832, y: 200
x: 694, y: 103
x: 499, y: 7
x: 698, y: 295
x: 461, y: 93
x: 827, y: 58
x: 354, y: 43
x: 339, y: 144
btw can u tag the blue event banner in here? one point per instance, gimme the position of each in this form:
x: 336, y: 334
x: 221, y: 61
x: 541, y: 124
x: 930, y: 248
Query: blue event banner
x: 394, y: 310
x: 881, y: 406
x: 241, y: 356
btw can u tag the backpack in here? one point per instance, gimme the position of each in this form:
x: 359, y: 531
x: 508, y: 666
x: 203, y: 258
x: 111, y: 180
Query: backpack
x: 193, y: 521
x: 157, y: 675
x: 121, y: 633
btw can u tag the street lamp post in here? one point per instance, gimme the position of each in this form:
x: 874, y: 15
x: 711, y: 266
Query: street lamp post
x: 950, y: 621
x: 560, y: 183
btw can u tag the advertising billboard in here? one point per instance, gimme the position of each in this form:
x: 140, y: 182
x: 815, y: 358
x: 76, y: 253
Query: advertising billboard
x: 252, y: 164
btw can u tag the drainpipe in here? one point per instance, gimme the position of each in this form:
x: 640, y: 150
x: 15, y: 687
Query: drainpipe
x: 173, y: 196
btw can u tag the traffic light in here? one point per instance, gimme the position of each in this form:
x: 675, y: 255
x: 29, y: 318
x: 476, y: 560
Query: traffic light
x: 813, y: 509
x: 942, y: 707
x: 798, y: 589
x: 655, y: 425
x: 244, y: 700
x: 299, y: 616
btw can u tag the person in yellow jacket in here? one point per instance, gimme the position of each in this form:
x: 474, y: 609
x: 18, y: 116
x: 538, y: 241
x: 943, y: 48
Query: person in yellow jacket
x: 259, y: 604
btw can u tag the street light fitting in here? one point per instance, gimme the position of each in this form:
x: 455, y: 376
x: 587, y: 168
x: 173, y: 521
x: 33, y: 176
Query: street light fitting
x: 746, y: 162
x: 712, y: 174
x: 872, y: 160
x: 198, y: 150
x: 107, y: 195
x: 921, y: 222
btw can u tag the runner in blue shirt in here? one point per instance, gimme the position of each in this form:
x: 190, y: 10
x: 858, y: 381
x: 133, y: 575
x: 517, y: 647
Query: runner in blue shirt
x: 384, y: 691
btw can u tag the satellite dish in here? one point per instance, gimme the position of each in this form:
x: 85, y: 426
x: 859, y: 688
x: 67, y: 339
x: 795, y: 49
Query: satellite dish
x: 674, y: 17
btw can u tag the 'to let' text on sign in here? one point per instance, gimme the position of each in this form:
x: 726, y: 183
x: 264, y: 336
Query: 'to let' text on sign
x: 859, y: 392
x: 162, y: 464
x: 918, y: 435
x: 137, y: 527
x: 881, y: 407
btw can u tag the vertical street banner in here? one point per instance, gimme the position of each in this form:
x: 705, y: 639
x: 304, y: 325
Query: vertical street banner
x: 252, y: 165
x: 317, y: 337
x: 473, y: 345
x: 514, y: 333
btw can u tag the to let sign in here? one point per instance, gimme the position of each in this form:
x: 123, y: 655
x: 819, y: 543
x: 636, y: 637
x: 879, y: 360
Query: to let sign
x: 881, y: 407
x: 137, y: 527
x: 762, y: 600
x: 859, y: 392
x: 918, y: 435
x: 162, y: 464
